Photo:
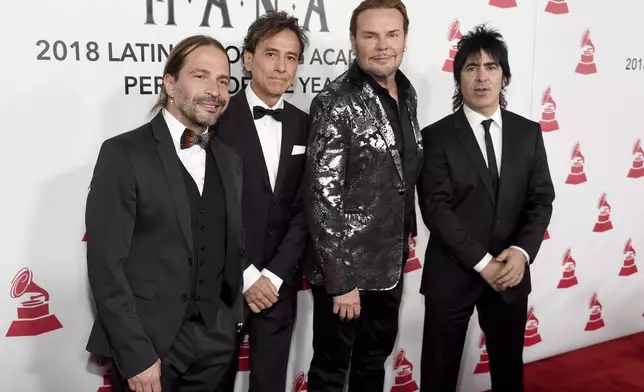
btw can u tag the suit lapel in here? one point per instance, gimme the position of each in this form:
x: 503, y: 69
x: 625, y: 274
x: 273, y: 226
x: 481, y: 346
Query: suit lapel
x: 375, y: 109
x: 171, y: 165
x: 509, y: 157
x: 249, y: 134
x: 466, y: 136
x: 231, y: 179
x: 230, y: 171
x: 289, y: 131
x: 411, y: 103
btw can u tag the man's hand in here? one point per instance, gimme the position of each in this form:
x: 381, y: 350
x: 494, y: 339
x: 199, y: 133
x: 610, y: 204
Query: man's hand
x: 347, y: 306
x: 148, y: 380
x: 261, y: 295
x: 490, y: 272
x: 512, y: 273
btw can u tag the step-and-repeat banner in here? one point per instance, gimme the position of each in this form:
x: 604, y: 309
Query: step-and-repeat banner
x: 76, y: 72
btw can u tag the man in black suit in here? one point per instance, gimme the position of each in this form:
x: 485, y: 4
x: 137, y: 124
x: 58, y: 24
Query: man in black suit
x: 165, y: 238
x: 486, y: 221
x: 270, y: 135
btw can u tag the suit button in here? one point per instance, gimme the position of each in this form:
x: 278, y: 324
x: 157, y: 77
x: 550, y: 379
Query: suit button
x: 198, y: 298
x: 401, y: 191
x: 241, y: 252
x: 203, y: 263
x: 203, y: 247
x: 202, y: 211
x: 200, y: 281
x: 273, y: 206
x: 190, y: 261
x: 270, y: 231
x: 184, y: 297
x: 203, y: 228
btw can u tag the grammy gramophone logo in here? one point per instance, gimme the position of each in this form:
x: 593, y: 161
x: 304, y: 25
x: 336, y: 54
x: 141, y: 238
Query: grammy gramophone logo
x: 413, y: 263
x: 586, y: 65
x: 299, y: 383
x: 244, y: 356
x: 33, y: 313
x: 637, y: 168
x: 404, y: 379
x: 503, y: 3
x: 548, y: 120
x: 557, y: 7
x: 304, y: 284
x: 453, y: 36
x: 103, y: 363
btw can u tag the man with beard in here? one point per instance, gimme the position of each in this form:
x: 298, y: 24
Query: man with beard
x: 270, y: 135
x: 164, y: 235
x: 364, y: 158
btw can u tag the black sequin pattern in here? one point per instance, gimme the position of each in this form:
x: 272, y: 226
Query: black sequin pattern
x: 355, y: 199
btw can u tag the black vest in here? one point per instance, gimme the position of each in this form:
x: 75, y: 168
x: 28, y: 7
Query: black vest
x: 208, y: 216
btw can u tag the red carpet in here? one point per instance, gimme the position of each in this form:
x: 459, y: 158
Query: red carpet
x: 614, y: 366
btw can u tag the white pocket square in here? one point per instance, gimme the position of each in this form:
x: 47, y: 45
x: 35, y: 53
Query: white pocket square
x: 297, y: 150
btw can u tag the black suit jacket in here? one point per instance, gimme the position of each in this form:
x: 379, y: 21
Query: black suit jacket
x: 274, y: 222
x: 139, y: 245
x: 458, y: 207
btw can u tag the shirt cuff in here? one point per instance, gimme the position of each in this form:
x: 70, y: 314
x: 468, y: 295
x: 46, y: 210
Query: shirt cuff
x: 276, y: 280
x: 527, y: 258
x: 483, y: 263
x: 251, y: 274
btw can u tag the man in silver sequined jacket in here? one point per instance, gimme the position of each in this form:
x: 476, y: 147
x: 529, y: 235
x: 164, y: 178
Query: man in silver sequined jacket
x: 363, y: 161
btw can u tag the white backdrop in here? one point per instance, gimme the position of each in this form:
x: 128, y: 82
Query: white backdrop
x: 77, y: 72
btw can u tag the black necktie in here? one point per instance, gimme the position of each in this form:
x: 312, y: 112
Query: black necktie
x: 491, y: 157
x: 190, y: 139
x: 259, y: 112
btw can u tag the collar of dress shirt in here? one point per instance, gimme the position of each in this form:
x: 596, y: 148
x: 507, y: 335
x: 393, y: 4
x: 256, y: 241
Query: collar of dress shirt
x: 253, y: 99
x: 475, y: 118
x: 175, y: 126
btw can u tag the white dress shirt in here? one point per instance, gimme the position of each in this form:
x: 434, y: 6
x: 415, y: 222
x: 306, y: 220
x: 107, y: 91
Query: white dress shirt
x: 193, y: 158
x: 269, y: 132
x: 496, y: 131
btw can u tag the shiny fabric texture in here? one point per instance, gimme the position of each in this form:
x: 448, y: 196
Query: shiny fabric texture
x: 355, y: 197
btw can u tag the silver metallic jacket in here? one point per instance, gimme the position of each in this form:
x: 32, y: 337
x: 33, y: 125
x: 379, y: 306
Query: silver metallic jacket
x: 356, y: 195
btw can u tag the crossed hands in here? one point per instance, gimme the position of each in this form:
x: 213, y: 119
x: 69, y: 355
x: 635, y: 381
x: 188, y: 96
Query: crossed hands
x: 506, y: 270
x: 148, y: 380
x: 261, y: 295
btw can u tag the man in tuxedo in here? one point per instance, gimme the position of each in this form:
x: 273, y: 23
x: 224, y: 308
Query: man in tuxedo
x: 164, y: 235
x: 270, y: 135
x: 486, y: 196
x: 364, y: 159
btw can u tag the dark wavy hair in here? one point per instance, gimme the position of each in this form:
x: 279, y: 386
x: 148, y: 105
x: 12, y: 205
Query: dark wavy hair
x: 489, y: 40
x: 271, y: 24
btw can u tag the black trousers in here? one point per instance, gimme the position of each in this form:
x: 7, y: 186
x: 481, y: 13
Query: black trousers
x: 269, y: 335
x: 446, y: 322
x: 198, y: 358
x: 362, y: 344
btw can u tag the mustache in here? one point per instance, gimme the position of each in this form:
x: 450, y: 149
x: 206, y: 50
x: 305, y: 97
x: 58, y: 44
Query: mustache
x: 210, y: 101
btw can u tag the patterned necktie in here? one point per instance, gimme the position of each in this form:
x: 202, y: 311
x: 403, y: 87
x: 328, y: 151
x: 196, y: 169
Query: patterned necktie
x: 190, y: 139
x: 491, y: 156
x: 259, y: 112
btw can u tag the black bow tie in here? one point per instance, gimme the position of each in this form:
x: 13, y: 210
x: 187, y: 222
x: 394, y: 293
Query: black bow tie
x: 190, y: 139
x: 259, y: 112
